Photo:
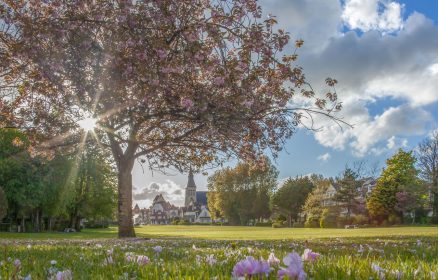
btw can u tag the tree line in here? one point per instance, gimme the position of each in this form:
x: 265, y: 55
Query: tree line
x: 38, y: 194
x: 406, y: 191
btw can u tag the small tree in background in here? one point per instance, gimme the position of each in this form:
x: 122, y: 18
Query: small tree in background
x: 242, y: 193
x: 313, y: 207
x: 348, y: 192
x: 289, y: 199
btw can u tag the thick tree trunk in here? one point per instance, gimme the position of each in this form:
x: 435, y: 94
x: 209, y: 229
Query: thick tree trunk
x: 126, y: 225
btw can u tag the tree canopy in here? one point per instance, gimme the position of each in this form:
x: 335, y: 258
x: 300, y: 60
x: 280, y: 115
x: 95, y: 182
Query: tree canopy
x: 400, y: 174
x: 291, y: 196
x: 427, y: 155
x: 64, y: 188
x: 176, y: 83
x: 242, y: 193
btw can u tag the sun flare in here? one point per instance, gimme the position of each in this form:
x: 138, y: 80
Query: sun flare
x: 88, y: 124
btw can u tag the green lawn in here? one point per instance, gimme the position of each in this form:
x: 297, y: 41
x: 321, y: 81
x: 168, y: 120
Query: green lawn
x: 212, y: 252
x: 235, y: 233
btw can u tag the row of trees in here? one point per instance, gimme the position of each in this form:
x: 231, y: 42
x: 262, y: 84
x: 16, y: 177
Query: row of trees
x: 405, y: 192
x: 241, y: 194
x: 39, y: 194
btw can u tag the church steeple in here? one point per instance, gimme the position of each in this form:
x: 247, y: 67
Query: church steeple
x: 190, y: 195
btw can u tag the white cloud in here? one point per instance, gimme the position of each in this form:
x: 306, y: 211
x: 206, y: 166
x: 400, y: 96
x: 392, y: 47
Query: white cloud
x: 171, y: 191
x: 391, y: 143
x: 370, y: 134
x: 366, y: 15
x: 433, y: 69
x: 324, y: 157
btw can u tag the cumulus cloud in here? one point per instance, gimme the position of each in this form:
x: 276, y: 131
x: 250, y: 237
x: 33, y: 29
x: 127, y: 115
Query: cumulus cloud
x: 366, y: 15
x: 377, y: 134
x: 324, y: 157
x: 372, y: 68
x: 171, y: 191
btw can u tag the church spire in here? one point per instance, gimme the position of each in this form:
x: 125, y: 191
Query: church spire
x: 190, y: 195
x: 191, y: 181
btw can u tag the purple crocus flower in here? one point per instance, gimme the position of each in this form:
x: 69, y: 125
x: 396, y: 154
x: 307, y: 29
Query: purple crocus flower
x: 310, y: 256
x: 273, y: 260
x: 210, y: 260
x: 158, y: 249
x: 143, y: 260
x: 294, y: 269
x: 64, y: 275
x: 250, y: 267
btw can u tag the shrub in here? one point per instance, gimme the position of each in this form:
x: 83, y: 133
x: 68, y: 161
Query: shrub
x: 277, y: 225
x: 341, y: 222
x: 393, y: 219
x: 311, y: 222
x: 434, y: 219
x: 360, y: 219
x: 327, y: 220
x: 297, y: 225
x: 259, y: 224
x: 96, y: 224
x: 183, y: 222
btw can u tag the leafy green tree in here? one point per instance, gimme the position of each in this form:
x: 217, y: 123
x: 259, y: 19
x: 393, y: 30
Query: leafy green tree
x: 291, y: 196
x: 91, y: 192
x: 21, y: 177
x: 313, y: 207
x: 427, y: 154
x: 400, y: 174
x: 347, y: 194
x: 66, y: 187
x: 242, y: 193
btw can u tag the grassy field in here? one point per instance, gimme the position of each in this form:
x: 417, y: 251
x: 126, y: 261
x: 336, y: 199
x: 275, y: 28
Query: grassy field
x: 205, y: 252
x: 235, y: 233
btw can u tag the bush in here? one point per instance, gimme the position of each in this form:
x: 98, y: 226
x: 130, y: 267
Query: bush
x: 259, y: 224
x: 183, y: 223
x: 311, y: 222
x: 360, y: 219
x: 394, y: 219
x: 297, y: 225
x: 96, y: 224
x: 328, y: 220
x: 434, y: 219
x: 277, y: 225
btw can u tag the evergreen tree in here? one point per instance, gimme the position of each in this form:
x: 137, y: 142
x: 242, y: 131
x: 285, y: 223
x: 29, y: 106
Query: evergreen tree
x: 347, y: 194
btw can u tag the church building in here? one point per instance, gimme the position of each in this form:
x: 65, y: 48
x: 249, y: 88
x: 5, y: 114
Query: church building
x: 195, y: 209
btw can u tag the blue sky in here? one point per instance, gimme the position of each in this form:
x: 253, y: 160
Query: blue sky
x: 384, y: 53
